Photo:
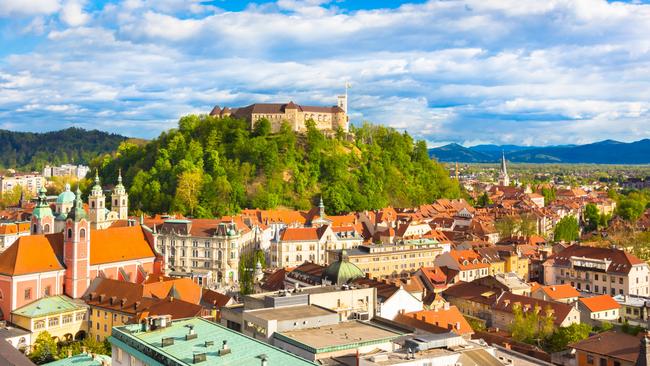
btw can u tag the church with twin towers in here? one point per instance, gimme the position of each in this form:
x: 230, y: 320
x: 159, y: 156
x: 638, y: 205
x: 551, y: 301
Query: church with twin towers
x: 45, y: 221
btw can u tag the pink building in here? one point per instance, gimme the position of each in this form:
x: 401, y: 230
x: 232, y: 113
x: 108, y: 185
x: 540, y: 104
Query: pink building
x: 49, y: 264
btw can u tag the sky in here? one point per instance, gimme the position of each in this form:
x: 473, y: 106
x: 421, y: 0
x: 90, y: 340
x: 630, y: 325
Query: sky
x: 524, y: 72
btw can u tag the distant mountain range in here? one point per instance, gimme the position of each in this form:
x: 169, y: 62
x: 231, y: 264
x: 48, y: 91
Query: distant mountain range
x: 603, y: 152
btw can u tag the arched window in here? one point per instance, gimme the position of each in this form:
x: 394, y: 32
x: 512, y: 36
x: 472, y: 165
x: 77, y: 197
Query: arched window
x: 2, y: 295
x: 115, y: 203
x: 69, y: 233
x: 82, y: 233
x: 46, y: 228
x: 123, y: 202
x: 92, y: 204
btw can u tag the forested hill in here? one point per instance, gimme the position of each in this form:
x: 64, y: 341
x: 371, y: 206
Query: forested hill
x: 211, y: 167
x: 31, y: 151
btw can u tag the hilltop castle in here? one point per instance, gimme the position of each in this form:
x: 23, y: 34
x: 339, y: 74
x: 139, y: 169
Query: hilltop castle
x: 326, y: 118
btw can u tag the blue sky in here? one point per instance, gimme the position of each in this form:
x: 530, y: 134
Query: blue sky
x: 524, y: 72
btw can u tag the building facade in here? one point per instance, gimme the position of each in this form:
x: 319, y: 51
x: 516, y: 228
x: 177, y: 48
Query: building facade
x: 598, y: 270
x: 325, y: 118
x: 30, y: 183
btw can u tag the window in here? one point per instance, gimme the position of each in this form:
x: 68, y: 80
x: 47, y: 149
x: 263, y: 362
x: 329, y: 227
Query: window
x: 80, y: 317
x: 105, y: 328
x: 82, y: 233
x: 596, y: 277
x: 118, y: 354
x: 47, y: 290
x: 52, y: 322
x: 69, y: 233
x: 590, y: 360
x: 28, y: 293
x: 39, y: 324
x: 603, y: 362
x: 620, y: 280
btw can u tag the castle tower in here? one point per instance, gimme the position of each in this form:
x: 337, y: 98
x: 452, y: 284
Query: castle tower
x: 76, y: 250
x: 96, y: 204
x: 42, y: 217
x: 120, y: 199
x: 504, y: 179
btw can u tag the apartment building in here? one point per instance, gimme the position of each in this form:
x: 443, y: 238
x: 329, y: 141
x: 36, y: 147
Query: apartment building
x: 598, y: 270
x: 30, y: 183
x: 208, y: 248
x: 391, y: 260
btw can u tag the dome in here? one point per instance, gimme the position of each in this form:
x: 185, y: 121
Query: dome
x: 342, y: 271
x: 66, y: 196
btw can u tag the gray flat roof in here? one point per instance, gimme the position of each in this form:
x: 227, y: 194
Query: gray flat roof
x: 290, y: 312
x: 336, y: 336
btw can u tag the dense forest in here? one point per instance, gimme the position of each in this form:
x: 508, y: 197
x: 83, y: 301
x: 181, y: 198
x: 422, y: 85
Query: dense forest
x: 32, y: 151
x: 211, y: 167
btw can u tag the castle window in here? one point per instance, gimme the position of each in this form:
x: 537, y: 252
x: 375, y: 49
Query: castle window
x: 92, y: 204
x: 82, y: 233
x: 69, y: 233
x: 46, y: 228
x: 115, y: 203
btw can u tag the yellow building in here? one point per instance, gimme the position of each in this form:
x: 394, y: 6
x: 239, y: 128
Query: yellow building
x: 64, y: 318
x: 504, y: 261
x: 391, y: 260
x: 517, y: 264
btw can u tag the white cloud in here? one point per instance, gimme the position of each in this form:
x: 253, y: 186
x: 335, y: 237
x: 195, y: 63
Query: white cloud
x: 72, y: 13
x: 28, y: 7
x: 513, y: 71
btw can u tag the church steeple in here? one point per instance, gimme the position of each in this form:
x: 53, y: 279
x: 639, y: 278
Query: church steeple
x: 504, y: 179
x: 42, y: 217
x: 76, y: 250
x: 321, y: 208
x: 97, y: 203
x: 120, y: 199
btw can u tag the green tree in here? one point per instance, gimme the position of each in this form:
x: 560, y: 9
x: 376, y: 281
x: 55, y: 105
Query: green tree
x: 187, y: 192
x: 549, y: 195
x: 567, y: 229
x: 506, y: 226
x: 484, y: 200
x: 630, y: 209
x: 262, y: 127
x: 564, y: 336
x: 45, y: 349
x: 592, y: 217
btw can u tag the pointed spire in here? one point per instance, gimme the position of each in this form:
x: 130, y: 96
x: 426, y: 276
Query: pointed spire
x: 77, y: 213
x: 97, y: 176
x: 321, y: 208
x: 119, y: 176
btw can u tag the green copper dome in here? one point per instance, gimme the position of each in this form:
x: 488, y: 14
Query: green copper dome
x: 342, y: 271
x: 66, y: 196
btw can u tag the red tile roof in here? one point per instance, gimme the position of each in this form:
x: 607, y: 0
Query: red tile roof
x: 599, y: 303
x: 437, y: 321
x: 558, y: 292
x: 300, y: 234
x: 621, y: 261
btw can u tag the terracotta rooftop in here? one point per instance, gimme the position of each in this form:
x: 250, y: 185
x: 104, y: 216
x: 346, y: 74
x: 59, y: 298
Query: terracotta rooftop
x: 599, y: 303
x: 437, y: 321
x: 558, y: 292
x: 617, y: 345
x: 621, y: 261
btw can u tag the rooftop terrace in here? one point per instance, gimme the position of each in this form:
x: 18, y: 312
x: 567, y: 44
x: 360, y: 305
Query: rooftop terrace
x: 172, y: 346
